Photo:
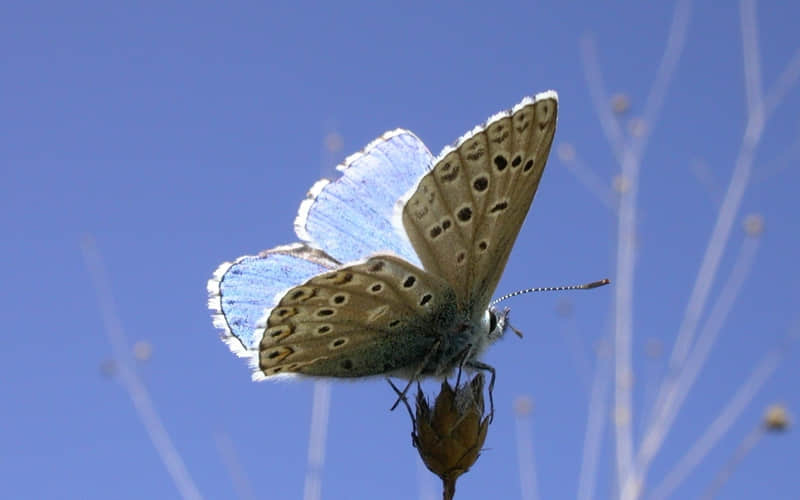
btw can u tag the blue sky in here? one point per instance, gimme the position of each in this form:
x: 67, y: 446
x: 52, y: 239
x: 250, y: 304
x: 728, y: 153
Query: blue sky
x: 179, y: 136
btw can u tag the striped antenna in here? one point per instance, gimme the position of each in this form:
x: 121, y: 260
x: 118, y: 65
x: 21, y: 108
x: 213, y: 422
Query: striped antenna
x: 586, y: 286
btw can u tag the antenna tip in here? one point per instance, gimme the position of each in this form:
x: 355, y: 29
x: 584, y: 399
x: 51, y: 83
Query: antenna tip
x: 596, y: 284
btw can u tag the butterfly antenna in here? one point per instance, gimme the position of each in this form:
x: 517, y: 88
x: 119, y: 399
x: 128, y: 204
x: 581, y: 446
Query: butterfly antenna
x: 586, y: 286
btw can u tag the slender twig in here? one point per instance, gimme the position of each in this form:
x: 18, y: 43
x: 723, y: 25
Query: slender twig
x: 719, y: 236
x: 525, y: 456
x: 676, y: 40
x: 321, y: 399
x: 142, y: 402
x: 575, y: 343
x: 228, y: 453
x: 316, y: 440
x: 586, y: 176
x: 719, y: 427
x: 787, y: 158
x: 629, y: 157
x: 678, y: 387
x: 752, y: 59
x: 702, y: 173
x: 653, y: 371
x: 595, y: 423
x: 745, y: 447
x: 787, y: 79
x: 594, y: 81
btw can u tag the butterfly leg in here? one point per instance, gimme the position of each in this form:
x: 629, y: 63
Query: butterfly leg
x: 402, y: 396
x: 411, y: 380
x: 464, y: 356
x: 478, y: 365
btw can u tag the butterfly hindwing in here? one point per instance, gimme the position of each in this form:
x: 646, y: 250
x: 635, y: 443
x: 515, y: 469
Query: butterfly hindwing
x: 464, y: 215
x: 240, y: 291
x: 352, y: 217
x: 369, y: 318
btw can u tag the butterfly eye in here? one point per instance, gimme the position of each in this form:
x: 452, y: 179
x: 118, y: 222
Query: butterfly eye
x: 492, y: 321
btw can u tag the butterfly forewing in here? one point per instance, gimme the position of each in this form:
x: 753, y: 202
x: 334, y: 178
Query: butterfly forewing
x: 369, y: 318
x: 464, y: 215
x: 352, y: 216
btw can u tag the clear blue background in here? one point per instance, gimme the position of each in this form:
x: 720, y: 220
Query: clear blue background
x: 183, y: 135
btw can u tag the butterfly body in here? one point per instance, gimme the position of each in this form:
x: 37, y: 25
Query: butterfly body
x: 399, y: 260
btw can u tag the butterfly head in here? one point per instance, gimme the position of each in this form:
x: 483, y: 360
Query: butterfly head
x: 498, y: 323
x: 490, y: 328
x: 468, y: 338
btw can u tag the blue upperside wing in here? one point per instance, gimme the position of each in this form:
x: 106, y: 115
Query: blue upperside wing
x: 353, y: 216
x: 241, y: 292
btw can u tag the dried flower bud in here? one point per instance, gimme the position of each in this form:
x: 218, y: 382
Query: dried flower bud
x: 620, y: 103
x: 754, y: 225
x: 450, y: 435
x: 776, y: 418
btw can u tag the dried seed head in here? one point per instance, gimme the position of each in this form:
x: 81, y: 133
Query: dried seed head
x: 620, y: 103
x: 142, y: 350
x: 754, y: 225
x: 450, y: 435
x: 776, y: 418
x: 620, y: 184
x: 523, y: 406
x: 565, y: 152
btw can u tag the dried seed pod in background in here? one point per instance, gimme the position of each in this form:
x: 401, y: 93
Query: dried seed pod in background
x: 776, y: 418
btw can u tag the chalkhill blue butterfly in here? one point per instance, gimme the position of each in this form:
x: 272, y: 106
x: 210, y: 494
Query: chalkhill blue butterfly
x: 398, y: 258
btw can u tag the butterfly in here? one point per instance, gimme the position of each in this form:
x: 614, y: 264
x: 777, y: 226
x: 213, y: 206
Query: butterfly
x: 398, y: 258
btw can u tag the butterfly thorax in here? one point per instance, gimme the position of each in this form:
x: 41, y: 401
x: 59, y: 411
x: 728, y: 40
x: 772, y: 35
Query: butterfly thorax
x: 460, y: 344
